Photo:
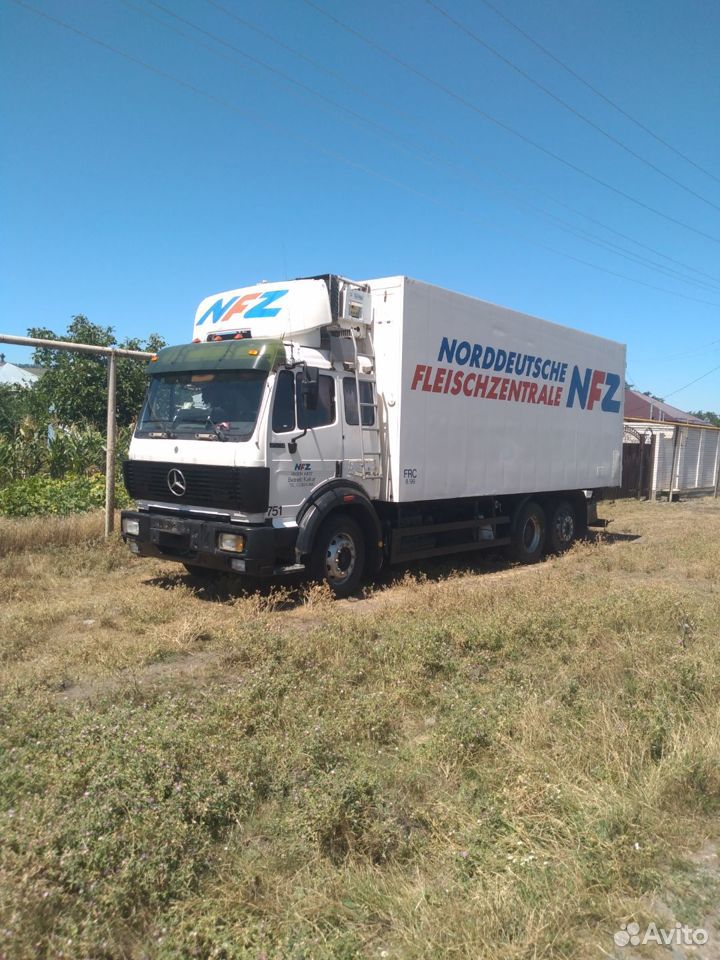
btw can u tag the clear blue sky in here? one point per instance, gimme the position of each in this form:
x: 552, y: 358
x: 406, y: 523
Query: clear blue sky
x: 129, y: 197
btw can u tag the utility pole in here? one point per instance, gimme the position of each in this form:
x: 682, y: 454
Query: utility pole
x: 675, y: 460
x: 111, y: 434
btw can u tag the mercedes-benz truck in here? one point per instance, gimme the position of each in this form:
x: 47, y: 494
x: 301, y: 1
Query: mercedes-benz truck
x: 331, y: 426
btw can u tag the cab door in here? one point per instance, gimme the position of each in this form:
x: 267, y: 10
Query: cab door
x: 316, y: 434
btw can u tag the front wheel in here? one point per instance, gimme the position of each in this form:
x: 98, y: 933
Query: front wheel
x: 528, y: 534
x: 338, y: 556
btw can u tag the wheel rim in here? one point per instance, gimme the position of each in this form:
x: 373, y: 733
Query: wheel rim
x: 564, y: 527
x: 532, y: 534
x: 340, y: 558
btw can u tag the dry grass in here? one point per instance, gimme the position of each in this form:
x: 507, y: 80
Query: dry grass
x: 37, y: 533
x: 486, y: 761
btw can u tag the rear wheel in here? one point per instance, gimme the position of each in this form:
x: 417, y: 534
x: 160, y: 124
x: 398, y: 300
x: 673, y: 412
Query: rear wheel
x: 528, y: 534
x: 338, y: 556
x: 562, y: 529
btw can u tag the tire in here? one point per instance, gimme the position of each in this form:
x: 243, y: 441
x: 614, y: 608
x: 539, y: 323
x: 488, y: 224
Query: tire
x: 528, y: 533
x: 338, y: 555
x: 562, y: 528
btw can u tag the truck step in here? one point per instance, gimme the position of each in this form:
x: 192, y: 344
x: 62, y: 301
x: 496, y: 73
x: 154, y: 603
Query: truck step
x: 290, y: 568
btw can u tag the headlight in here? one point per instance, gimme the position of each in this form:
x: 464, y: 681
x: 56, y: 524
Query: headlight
x: 131, y: 527
x: 235, y: 542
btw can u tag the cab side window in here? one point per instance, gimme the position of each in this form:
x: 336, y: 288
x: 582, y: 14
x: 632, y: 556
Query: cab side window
x: 283, y: 418
x: 351, y: 404
x: 324, y: 413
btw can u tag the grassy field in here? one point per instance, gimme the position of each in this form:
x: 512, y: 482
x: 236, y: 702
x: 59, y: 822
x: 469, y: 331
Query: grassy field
x: 489, y: 761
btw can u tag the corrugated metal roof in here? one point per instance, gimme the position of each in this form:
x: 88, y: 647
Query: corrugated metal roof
x: 10, y: 373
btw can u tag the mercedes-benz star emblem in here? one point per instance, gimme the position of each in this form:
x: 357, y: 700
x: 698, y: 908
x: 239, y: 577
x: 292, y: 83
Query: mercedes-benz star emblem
x: 176, y: 482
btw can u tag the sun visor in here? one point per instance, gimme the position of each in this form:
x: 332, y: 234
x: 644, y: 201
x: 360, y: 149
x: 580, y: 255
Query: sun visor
x: 261, y: 355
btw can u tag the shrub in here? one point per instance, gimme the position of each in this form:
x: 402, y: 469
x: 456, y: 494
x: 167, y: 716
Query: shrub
x: 45, y: 495
x: 24, y: 454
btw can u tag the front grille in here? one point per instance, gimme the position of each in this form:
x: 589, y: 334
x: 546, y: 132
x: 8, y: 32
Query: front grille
x: 226, y: 488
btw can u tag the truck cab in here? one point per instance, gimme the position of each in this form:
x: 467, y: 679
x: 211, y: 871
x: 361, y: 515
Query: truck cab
x: 249, y: 433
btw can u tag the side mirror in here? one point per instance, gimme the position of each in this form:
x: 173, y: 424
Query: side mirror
x: 310, y: 388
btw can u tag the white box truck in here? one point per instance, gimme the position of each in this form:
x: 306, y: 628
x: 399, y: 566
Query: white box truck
x: 331, y: 426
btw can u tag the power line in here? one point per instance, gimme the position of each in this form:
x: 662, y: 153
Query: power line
x: 266, y: 66
x: 221, y: 101
x: 568, y: 106
x: 428, y: 157
x: 599, y: 93
x: 690, y: 353
x: 504, y: 126
x: 619, y: 233
x: 480, y: 158
x: 298, y: 53
x: 692, y: 382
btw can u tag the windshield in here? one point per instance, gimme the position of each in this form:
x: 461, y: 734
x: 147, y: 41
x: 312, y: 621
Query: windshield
x: 210, y: 405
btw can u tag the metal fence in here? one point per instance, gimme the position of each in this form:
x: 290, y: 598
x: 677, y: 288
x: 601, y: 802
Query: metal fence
x: 686, y: 458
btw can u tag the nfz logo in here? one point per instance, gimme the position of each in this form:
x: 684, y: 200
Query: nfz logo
x: 303, y: 467
x: 220, y: 311
x: 592, y: 386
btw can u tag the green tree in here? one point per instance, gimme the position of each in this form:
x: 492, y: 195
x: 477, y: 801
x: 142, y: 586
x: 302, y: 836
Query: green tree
x: 713, y: 418
x: 74, y: 387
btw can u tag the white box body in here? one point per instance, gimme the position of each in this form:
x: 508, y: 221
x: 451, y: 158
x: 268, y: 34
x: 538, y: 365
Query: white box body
x: 481, y: 427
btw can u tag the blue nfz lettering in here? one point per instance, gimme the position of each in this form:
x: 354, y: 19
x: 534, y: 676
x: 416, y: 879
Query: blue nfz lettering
x: 594, y: 386
x: 261, y: 310
x: 579, y: 387
x: 609, y: 404
x: 215, y: 310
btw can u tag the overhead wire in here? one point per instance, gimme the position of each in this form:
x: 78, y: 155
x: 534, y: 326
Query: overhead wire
x: 690, y: 353
x: 334, y: 155
x: 467, y: 31
x: 479, y: 158
x: 598, y: 93
x: 423, y: 153
x: 505, y: 126
x: 692, y: 382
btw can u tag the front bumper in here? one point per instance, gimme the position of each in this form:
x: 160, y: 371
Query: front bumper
x: 268, y: 550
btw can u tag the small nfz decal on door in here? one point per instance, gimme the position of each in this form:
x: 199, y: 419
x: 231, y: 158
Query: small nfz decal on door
x: 302, y: 475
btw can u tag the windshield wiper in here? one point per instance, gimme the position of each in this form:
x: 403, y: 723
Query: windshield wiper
x: 164, y: 434
x: 216, y: 434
